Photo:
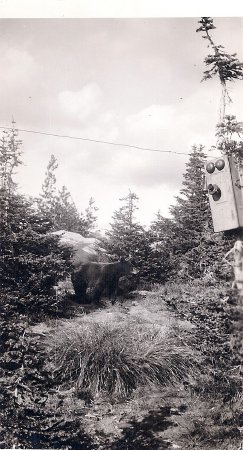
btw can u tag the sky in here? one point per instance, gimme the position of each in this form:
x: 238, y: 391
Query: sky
x: 124, y: 80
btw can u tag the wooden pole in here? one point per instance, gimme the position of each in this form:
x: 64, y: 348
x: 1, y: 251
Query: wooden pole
x: 237, y: 252
x: 237, y: 307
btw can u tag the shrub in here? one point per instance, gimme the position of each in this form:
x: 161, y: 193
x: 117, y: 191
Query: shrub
x: 32, y: 413
x: 117, y: 358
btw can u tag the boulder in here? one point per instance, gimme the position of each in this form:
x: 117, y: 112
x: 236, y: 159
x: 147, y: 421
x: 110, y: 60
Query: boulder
x: 84, y: 248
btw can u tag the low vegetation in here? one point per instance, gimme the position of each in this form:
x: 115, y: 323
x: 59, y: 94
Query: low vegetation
x: 116, y: 358
x: 153, y: 372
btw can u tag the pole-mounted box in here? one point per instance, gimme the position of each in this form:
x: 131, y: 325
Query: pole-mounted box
x: 224, y: 180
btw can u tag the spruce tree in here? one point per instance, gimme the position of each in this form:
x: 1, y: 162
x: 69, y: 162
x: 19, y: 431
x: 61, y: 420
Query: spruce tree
x: 229, y: 138
x: 191, y: 216
x: 124, y: 227
x: 10, y: 158
x: 228, y: 68
x: 60, y: 210
x: 191, y: 212
x: 47, y: 201
x: 127, y: 238
x: 179, y: 242
x: 89, y: 218
x: 66, y: 214
x: 222, y: 64
x: 161, y: 238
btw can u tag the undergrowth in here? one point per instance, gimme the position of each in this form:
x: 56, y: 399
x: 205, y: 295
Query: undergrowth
x: 175, y: 342
x: 214, y: 418
x: 117, y: 358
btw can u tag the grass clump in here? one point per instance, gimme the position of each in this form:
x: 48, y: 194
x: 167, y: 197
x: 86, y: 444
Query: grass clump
x: 115, y: 358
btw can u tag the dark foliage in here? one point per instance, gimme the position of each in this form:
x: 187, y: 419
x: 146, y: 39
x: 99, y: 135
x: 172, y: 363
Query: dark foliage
x: 31, y: 262
x: 128, y: 239
x: 225, y: 65
x: 210, y: 311
x: 229, y: 138
x: 58, y: 207
x: 185, y: 246
x: 31, y: 415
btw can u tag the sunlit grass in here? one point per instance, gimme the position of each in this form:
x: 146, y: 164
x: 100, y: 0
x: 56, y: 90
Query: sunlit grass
x: 117, y: 358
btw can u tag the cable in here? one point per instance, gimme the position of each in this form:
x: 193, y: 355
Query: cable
x: 96, y: 140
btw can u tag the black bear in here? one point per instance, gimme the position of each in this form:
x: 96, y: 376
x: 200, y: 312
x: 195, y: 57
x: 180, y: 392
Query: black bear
x: 92, y: 280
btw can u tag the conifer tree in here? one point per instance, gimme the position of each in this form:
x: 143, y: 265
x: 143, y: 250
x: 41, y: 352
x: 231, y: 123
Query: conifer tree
x: 59, y: 208
x: 89, y: 218
x: 161, y: 238
x: 127, y: 238
x: 178, y: 242
x: 122, y: 227
x: 228, y: 68
x: 191, y: 216
x: 222, y: 64
x: 48, y: 198
x: 66, y: 214
x: 49, y: 185
x: 10, y: 158
x: 191, y: 211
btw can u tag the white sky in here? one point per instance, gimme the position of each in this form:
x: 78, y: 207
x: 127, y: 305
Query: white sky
x: 134, y: 81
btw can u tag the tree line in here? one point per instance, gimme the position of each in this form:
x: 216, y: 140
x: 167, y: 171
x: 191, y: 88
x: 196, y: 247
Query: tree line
x: 182, y: 245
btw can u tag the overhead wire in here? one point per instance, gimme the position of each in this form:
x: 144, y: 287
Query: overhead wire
x: 98, y: 141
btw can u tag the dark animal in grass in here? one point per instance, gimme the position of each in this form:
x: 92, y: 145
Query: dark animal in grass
x: 126, y: 284
x: 92, y: 280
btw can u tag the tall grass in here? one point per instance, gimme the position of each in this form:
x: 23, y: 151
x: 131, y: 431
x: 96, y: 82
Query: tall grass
x: 116, y: 358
